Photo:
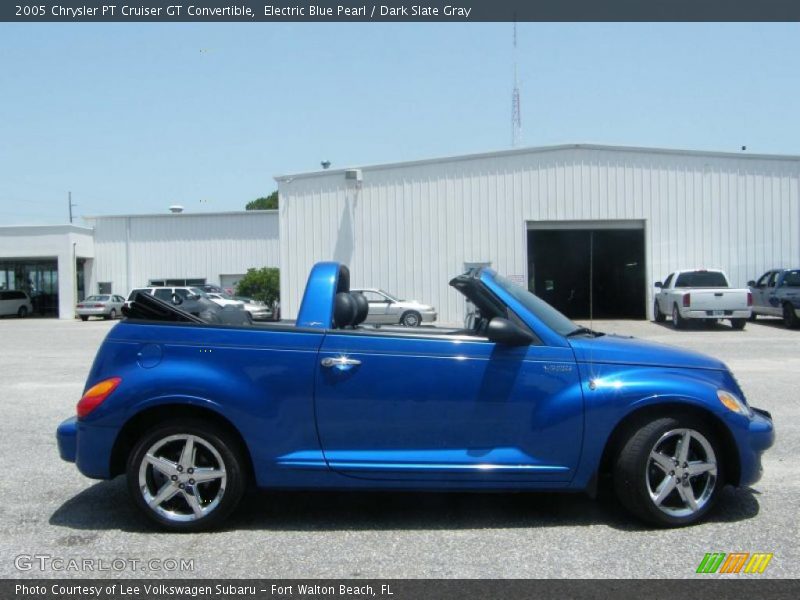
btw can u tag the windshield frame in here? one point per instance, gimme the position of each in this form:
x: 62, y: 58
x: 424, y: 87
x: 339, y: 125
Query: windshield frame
x: 549, y: 324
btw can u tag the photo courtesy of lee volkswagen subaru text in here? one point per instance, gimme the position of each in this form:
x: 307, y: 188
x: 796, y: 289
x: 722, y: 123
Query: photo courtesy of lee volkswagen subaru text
x: 193, y: 410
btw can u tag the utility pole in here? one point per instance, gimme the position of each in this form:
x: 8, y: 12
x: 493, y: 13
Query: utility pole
x: 69, y: 196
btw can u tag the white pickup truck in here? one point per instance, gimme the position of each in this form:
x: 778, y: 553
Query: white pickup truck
x: 701, y: 294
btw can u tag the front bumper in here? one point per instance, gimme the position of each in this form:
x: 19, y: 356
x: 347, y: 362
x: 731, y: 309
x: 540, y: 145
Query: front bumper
x: 428, y: 316
x: 759, y: 437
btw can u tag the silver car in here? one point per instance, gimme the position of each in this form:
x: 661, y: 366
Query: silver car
x: 384, y: 308
x: 107, y: 306
x: 257, y: 309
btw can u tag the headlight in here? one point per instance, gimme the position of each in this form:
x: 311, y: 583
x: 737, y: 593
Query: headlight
x: 734, y: 403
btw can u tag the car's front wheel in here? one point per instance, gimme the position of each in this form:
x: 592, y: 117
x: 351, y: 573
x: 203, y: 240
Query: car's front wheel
x: 658, y: 316
x: 668, y: 472
x: 22, y: 312
x: 186, y: 475
x: 411, y: 319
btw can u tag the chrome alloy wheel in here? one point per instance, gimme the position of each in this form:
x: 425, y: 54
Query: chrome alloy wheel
x: 182, y: 478
x: 681, y: 472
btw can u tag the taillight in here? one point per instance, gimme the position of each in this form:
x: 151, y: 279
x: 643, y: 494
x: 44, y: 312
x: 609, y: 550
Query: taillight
x: 749, y: 299
x: 687, y: 298
x: 96, y: 395
x: 98, y: 306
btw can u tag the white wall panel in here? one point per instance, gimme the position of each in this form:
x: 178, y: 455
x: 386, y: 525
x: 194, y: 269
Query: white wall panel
x: 411, y: 226
x: 131, y: 250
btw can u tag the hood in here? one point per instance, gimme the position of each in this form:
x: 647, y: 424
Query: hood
x: 631, y: 351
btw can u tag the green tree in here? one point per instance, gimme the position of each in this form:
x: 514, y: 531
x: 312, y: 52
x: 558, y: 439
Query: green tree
x: 261, y: 284
x: 264, y: 203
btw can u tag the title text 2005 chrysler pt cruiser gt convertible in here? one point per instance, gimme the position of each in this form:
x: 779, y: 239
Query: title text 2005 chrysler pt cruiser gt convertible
x: 192, y: 409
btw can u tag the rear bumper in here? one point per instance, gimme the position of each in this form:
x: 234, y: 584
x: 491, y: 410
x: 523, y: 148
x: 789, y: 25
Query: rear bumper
x: 710, y: 314
x: 92, y: 312
x: 87, y: 446
x: 759, y: 437
x: 67, y: 438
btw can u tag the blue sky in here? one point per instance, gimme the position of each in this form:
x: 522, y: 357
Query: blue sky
x: 135, y: 117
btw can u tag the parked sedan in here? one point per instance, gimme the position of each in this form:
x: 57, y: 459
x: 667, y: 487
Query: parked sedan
x: 223, y: 299
x: 107, y: 306
x: 257, y: 309
x: 384, y: 308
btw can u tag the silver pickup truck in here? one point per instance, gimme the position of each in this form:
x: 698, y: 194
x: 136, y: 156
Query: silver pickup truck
x: 701, y: 294
x: 777, y: 294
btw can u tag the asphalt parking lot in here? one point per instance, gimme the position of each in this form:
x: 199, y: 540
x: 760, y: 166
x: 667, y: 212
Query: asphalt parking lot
x: 48, y: 508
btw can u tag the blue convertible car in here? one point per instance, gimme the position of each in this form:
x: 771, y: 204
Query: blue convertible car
x: 193, y: 409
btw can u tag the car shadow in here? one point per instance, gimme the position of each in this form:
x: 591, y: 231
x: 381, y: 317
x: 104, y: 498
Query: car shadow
x: 105, y: 505
x: 697, y: 325
x: 776, y: 323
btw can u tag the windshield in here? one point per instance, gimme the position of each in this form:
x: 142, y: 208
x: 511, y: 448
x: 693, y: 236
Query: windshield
x: 97, y: 299
x: 701, y: 279
x: 541, y: 309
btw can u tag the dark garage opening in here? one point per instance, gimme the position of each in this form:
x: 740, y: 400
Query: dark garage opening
x: 572, y: 269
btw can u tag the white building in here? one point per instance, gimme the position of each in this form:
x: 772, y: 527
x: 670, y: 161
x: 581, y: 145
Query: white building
x: 582, y: 225
x: 563, y: 219
x: 61, y: 264
x: 182, y: 248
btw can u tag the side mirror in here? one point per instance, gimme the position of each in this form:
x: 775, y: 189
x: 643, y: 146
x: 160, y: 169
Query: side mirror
x: 751, y: 283
x: 659, y: 284
x: 503, y: 331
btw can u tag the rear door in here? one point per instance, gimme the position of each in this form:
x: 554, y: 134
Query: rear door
x: 431, y: 407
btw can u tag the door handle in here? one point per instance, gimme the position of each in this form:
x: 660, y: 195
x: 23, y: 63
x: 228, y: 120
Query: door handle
x: 339, y: 361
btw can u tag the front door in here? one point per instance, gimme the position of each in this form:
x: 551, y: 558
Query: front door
x: 422, y: 407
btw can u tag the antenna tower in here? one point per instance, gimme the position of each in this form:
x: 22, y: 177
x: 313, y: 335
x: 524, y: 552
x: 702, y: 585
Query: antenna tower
x: 516, y: 120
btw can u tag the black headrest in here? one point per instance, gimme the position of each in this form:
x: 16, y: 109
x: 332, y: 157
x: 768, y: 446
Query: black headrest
x: 362, y: 307
x: 344, y: 310
x: 343, y: 281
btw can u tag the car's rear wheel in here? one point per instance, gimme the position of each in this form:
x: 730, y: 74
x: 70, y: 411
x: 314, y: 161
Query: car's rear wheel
x: 22, y: 312
x: 84, y: 318
x: 113, y: 314
x: 668, y: 472
x: 738, y: 323
x: 678, y: 322
x: 789, y: 316
x: 186, y: 475
x: 411, y: 319
x: 658, y: 316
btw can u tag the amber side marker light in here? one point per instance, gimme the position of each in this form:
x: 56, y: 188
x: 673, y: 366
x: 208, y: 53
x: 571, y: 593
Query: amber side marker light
x: 96, y: 395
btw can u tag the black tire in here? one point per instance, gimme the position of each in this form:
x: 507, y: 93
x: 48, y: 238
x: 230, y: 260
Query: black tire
x: 753, y: 316
x: 635, y: 473
x: 84, y: 318
x: 678, y: 322
x: 738, y: 324
x: 411, y: 319
x: 789, y: 316
x: 22, y: 312
x: 227, y: 492
x: 658, y: 316
x: 113, y: 314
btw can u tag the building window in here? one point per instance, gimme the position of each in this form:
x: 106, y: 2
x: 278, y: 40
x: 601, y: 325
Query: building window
x: 104, y: 287
x: 176, y: 282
